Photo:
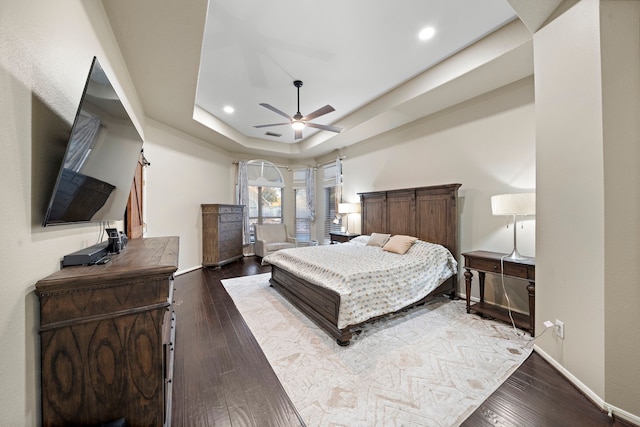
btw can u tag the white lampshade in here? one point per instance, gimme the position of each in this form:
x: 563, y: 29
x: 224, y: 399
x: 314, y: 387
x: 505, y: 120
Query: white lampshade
x: 297, y: 124
x: 347, y: 208
x: 514, y: 204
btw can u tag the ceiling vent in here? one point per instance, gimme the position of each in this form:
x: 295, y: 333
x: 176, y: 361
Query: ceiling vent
x: 277, y: 135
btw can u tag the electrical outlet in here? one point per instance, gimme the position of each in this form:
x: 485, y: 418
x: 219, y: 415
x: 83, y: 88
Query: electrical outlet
x: 559, y: 329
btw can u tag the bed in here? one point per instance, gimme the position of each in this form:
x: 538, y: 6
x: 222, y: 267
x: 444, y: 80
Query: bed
x: 427, y: 213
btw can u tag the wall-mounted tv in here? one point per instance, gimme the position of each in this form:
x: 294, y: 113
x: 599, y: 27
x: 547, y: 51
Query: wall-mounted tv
x: 95, y: 177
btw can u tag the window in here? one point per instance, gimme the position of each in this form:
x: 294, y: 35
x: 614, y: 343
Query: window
x: 330, y: 219
x: 302, y: 220
x: 332, y: 183
x: 302, y: 215
x: 265, y: 205
x: 265, y: 194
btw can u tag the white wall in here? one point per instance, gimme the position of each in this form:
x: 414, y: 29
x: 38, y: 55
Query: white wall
x: 487, y: 145
x: 570, y: 199
x: 184, y: 173
x: 46, y: 50
x: 587, y: 103
x: 620, y: 51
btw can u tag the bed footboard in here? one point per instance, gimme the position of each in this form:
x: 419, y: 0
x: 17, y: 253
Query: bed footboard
x: 319, y: 304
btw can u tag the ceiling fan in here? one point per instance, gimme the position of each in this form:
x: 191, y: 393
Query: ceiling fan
x: 298, y: 121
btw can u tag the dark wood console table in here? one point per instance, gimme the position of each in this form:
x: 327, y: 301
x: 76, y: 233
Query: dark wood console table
x: 493, y: 262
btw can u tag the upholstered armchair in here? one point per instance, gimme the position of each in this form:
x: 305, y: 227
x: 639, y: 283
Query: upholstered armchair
x: 272, y: 237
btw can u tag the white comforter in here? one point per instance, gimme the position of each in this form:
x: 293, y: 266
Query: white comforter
x: 370, y: 281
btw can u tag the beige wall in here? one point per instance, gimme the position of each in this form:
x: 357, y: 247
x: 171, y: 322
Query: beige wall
x: 184, y: 173
x: 45, y: 54
x: 571, y: 192
x: 487, y: 145
x: 587, y: 104
x: 620, y: 51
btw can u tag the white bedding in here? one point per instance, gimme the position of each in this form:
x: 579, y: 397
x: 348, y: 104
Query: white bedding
x: 370, y: 281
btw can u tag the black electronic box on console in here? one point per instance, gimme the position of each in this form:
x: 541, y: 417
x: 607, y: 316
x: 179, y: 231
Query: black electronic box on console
x: 89, y: 255
x: 97, y: 254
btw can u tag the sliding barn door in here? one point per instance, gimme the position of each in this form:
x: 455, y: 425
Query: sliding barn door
x: 134, y: 218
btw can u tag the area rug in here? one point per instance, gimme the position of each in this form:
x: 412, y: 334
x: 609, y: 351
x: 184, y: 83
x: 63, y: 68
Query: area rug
x: 430, y: 366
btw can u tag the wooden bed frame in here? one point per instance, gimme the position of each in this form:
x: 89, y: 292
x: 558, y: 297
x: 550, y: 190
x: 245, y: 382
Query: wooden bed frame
x: 429, y: 213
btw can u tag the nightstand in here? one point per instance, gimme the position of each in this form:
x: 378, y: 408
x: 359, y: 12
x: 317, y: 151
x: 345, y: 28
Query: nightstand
x: 341, y: 236
x: 493, y: 262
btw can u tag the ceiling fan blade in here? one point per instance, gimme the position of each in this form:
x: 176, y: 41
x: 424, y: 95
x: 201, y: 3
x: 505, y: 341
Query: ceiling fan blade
x: 275, y: 110
x: 319, y: 112
x: 325, y: 127
x: 272, y: 124
x: 298, y: 134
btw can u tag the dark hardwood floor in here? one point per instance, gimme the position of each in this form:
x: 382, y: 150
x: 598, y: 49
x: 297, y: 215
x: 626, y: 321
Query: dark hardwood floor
x: 222, y: 378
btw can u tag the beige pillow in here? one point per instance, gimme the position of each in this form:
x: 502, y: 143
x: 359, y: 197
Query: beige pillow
x: 378, y: 239
x: 399, y: 244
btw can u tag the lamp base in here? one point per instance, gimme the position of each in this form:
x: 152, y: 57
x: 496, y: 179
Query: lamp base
x: 515, y: 255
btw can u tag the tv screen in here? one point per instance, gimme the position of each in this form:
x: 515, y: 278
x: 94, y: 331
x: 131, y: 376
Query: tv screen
x: 96, y: 174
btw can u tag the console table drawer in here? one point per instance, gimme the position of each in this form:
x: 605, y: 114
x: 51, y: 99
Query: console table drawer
x: 521, y: 271
x: 483, y: 265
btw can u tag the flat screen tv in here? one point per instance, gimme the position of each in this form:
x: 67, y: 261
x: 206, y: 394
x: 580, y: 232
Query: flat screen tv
x: 96, y: 173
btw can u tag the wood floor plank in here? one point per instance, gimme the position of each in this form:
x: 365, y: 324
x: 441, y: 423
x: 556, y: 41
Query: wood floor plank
x: 537, y: 395
x: 227, y: 379
x: 256, y: 383
x: 202, y: 394
x: 240, y: 409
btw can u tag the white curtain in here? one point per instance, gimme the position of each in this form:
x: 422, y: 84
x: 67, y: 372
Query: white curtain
x: 311, y: 193
x: 338, y: 192
x: 243, y: 199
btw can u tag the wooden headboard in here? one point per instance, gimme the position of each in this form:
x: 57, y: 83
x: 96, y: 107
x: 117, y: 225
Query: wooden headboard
x: 428, y: 213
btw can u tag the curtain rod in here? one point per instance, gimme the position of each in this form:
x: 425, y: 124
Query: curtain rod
x: 288, y: 167
x: 330, y: 161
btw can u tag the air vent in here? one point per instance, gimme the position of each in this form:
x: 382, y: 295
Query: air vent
x: 277, y: 135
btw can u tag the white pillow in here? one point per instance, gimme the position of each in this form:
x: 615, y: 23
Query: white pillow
x: 378, y: 239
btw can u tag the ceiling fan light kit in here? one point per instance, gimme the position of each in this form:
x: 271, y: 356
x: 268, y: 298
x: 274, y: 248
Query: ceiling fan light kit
x: 298, y: 121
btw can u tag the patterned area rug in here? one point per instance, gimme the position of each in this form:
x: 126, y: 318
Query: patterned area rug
x: 431, y: 366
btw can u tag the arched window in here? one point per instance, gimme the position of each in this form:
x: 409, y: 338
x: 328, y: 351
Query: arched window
x: 265, y: 193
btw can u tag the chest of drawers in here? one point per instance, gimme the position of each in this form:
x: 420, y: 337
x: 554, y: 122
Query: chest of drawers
x: 221, y: 234
x: 107, y: 338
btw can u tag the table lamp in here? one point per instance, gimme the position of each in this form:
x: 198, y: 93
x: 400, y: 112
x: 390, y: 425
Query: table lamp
x: 514, y: 205
x: 347, y: 208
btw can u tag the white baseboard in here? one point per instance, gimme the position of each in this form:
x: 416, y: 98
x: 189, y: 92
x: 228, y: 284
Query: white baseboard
x: 188, y: 270
x: 591, y: 395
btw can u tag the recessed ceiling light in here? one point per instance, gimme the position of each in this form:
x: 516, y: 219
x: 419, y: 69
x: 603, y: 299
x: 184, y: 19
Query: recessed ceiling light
x: 228, y: 109
x: 426, y: 33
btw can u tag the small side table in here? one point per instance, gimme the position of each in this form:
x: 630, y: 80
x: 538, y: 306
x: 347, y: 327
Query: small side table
x: 492, y: 262
x: 341, y: 236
